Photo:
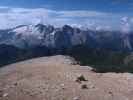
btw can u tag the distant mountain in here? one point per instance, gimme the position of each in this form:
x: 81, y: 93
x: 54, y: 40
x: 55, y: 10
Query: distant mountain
x: 89, y: 46
x: 28, y: 36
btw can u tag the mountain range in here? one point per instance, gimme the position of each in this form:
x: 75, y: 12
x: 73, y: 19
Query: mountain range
x: 28, y: 36
x: 89, y: 47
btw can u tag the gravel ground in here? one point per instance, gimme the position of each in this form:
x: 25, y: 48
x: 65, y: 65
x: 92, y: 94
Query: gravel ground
x: 55, y: 78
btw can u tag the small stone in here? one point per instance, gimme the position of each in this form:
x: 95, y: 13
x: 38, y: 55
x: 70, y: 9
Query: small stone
x: 92, y: 86
x: 1, y: 93
x: 15, y: 84
x: 111, y: 93
x: 5, y: 94
x: 75, y: 98
x: 62, y: 85
x: 84, y: 86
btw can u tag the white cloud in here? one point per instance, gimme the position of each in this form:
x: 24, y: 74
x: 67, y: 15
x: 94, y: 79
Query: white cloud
x: 98, y: 28
x: 131, y: 20
x: 18, y: 16
x: 81, y: 13
x: 3, y: 7
x: 126, y: 28
x: 126, y: 25
x: 124, y: 19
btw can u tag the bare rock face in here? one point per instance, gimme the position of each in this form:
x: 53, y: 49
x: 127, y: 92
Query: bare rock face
x: 53, y: 78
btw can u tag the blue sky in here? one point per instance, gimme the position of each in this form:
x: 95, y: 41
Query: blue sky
x: 95, y: 14
x: 100, y: 5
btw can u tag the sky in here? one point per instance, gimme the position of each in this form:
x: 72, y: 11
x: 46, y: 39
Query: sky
x: 94, y: 14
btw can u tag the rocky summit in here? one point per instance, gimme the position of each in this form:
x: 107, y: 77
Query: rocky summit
x: 60, y: 78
